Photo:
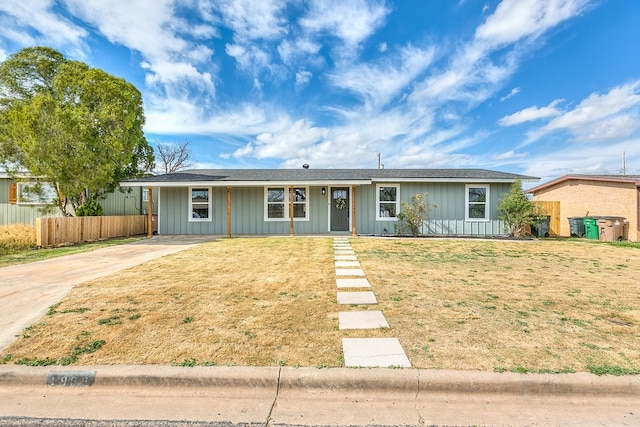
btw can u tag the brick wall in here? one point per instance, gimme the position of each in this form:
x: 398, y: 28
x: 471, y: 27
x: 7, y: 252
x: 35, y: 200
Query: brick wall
x: 577, y: 197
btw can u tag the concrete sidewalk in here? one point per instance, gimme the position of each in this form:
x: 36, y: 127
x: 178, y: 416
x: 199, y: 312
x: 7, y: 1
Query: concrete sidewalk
x: 28, y: 290
x: 310, y: 396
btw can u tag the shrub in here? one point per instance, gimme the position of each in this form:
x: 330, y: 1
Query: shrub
x: 16, y: 237
x: 413, y: 214
x: 518, y: 212
x: 89, y: 208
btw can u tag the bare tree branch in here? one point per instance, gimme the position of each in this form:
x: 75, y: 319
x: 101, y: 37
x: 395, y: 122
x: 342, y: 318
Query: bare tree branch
x: 174, y: 157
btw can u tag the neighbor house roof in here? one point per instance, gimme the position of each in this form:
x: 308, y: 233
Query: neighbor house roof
x: 250, y: 177
x: 630, y: 179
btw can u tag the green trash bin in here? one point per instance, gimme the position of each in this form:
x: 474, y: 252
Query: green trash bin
x: 591, y: 230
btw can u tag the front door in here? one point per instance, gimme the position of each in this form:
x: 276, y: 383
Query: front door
x: 340, y: 209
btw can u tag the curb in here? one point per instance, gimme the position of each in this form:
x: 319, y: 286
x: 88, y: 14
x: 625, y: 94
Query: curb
x: 333, y: 379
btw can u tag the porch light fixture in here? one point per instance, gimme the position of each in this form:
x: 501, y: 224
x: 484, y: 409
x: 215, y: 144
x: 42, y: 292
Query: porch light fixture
x: 324, y: 191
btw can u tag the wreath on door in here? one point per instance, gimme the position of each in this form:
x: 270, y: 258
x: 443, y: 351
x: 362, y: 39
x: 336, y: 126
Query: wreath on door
x: 341, y: 203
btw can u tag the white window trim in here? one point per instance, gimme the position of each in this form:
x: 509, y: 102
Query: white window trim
x: 287, y: 192
x: 384, y: 218
x: 209, y: 205
x: 487, y: 207
x: 22, y: 184
x: 145, y: 194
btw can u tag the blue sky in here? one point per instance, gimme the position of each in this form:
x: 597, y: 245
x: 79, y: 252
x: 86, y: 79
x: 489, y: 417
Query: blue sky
x: 539, y: 87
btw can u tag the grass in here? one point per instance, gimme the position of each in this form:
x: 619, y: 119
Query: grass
x: 551, y: 306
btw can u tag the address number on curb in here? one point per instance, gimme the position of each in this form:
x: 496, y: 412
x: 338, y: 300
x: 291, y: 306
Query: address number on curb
x: 71, y: 378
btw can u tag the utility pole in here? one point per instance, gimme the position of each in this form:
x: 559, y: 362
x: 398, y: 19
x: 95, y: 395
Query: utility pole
x: 624, y: 166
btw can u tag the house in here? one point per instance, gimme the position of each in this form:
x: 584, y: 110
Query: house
x: 318, y: 201
x: 20, y: 204
x: 596, y: 195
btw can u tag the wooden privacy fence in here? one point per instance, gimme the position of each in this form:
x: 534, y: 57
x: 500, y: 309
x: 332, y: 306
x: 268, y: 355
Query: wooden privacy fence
x: 68, y: 230
x: 553, y: 210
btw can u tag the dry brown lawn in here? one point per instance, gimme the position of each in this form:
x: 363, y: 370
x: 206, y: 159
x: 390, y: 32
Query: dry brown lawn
x: 533, y: 306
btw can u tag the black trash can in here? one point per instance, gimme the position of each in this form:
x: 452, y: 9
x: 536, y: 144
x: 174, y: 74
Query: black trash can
x: 576, y: 226
x: 541, y: 228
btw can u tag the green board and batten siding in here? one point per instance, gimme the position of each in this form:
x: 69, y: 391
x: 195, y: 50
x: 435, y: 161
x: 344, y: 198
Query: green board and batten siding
x: 247, y: 204
x: 18, y: 213
x: 447, y: 218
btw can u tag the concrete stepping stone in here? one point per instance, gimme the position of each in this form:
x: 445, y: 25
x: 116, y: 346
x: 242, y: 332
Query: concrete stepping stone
x: 347, y: 264
x: 344, y: 252
x: 345, y: 258
x: 349, y: 272
x: 352, y: 283
x: 362, y: 320
x: 357, y: 298
x: 374, y: 353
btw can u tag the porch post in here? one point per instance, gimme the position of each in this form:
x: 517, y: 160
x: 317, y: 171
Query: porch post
x: 353, y: 210
x: 228, y: 211
x: 291, y: 211
x: 150, y: 212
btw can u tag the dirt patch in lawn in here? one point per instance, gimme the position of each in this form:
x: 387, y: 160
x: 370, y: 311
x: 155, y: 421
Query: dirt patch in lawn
x: 535, y: 306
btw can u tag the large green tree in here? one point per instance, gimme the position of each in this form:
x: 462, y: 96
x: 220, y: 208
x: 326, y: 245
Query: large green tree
x: 76, y: 127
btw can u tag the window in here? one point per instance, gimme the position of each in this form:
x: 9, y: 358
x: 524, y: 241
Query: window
x: 145, y: 194
x: 387, y: 201
x: 200, y: 204
x: 277, y: 203
x: 477, y: 202
x: 35, y: 193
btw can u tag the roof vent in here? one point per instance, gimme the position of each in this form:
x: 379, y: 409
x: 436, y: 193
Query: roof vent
x: 305, y: 166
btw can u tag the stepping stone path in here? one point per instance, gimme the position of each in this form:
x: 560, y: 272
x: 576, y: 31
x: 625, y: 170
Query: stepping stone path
x: 362, y: 352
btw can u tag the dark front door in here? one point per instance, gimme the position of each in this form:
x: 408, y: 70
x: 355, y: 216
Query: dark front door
x: 340, y: 209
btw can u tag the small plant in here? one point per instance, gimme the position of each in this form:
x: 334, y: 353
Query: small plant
x: 413, y: 214
x: 188, y: 319
x: 606, y: 369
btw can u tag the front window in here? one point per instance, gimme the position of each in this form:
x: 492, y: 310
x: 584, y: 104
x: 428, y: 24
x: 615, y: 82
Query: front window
x: 387, y: 201
x: 200, y: 204
x: 477, y: 203
x: 277, y: 203
x: 36, y: 193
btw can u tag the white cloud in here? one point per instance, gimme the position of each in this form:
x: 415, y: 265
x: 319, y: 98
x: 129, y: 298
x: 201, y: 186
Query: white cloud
x: 303, y: 78
x: 252, y: 20
x: 52, y: 29
x: 382, y: 47
x: 351, y: 21
x: 531, y: 114
x: 514, y: 20
x: 299, y: 50
x: 156, y: 33
x: 473, y: 75
x: 378, y: 84
x: 596, y: 108
x: 514, y: 92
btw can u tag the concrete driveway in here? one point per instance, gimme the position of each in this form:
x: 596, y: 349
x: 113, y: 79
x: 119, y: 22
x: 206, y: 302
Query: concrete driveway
x: 28, y: 290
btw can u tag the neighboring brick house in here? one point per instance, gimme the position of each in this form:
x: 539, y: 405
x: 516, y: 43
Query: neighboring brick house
x: 597, y: 195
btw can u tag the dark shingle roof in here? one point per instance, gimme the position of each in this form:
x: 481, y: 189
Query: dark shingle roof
x: 325, y: 175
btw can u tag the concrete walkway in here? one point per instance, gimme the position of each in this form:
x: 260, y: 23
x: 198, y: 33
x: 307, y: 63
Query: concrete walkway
x: 362, y: 352
x: 27, y: 291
